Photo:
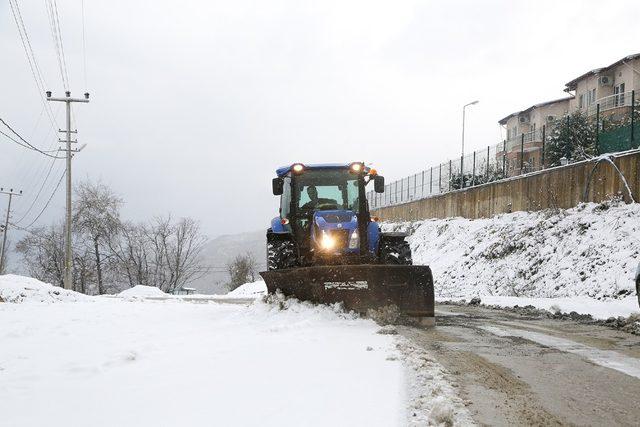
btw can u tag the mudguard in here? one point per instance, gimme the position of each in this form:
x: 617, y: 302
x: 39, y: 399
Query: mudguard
x: 360, y: 287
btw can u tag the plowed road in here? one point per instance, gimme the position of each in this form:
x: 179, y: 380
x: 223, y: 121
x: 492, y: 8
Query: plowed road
x: 515, y: 370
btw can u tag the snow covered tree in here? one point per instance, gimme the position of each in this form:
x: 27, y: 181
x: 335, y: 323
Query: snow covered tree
x: 96, y: 214
x: 43, y: 254
x: 242, y: 269
x: 572, y: 137
x: 42, y: 251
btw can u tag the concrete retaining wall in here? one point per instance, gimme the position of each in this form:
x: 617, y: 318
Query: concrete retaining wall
x: 561, y: 187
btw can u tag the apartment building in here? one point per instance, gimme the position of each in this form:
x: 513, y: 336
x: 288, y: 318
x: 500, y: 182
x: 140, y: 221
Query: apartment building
x: 524, y: 133
x: 608, y: 91
x: 609, y: 87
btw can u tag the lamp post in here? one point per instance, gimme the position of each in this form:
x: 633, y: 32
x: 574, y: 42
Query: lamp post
x: 464, y: 108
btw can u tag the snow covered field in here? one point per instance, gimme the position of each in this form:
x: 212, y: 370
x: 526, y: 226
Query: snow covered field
x: 581, y: 259
x: 67, y: 359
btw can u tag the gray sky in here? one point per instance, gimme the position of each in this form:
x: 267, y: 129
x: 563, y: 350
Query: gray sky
x: 194, y: 104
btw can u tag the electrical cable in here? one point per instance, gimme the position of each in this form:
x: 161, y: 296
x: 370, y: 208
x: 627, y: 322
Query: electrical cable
x: 31, y: 59
x: 84, y: 47
x: 55, y: 190
x: 30, y: 146
x: 64, y: 58
x: 38, y: 194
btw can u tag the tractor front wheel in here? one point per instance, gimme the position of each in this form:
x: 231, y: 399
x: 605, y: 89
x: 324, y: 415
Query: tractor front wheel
x: 395, y: 252
x: 281, y: 254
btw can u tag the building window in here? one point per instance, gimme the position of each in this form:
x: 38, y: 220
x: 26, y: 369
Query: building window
x: 591, y: 97
x: 619, y: 95
x: 581, y: 100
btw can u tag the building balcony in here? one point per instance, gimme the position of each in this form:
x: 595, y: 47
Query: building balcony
x: 611, y: 102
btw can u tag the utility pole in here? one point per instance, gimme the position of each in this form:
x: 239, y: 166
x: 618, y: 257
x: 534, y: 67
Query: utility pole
x: 68, y: 255
x: 10, y: 193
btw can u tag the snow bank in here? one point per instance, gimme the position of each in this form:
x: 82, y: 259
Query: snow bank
x: 584, y: 305
x: 141, y: 291
x: 250, y: 290
x: 591, y: 250
x: 20, y: 289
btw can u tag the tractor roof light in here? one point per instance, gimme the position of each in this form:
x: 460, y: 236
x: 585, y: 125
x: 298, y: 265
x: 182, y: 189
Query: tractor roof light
x: 356, y: 167
x: 297, y: 168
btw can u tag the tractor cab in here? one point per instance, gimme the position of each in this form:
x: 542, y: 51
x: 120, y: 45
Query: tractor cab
x: 325, y: 209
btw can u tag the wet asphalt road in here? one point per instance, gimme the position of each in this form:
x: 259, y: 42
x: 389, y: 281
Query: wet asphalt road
x: 517, y: 370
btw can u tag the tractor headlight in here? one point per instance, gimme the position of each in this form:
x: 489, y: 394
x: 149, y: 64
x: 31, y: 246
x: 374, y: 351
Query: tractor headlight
x: 354, y: 240
x: 327, y: 242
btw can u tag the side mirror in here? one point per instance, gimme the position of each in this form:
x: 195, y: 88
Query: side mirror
x: 277, y: 185
x: 378, y: 184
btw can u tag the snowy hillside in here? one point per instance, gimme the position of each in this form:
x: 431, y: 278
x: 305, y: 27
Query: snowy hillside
x: 222, y: 249
x: 591, y: 250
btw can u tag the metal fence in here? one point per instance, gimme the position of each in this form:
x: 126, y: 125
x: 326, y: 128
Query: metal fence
x: 522, y: 154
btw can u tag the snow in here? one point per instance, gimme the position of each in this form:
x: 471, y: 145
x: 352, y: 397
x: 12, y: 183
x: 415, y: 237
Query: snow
x: 141, y: 291
x: 583, y: 258
x: 112, y: 361
x: 21, y: 289
x: 250, y: 290
x: 583, y: 305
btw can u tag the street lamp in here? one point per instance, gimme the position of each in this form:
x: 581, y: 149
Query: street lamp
x: 462, y: 155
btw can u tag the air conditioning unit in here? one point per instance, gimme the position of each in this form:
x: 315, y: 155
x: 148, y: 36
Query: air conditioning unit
x: 523, y: 119
x: 550, y: 119
x: 605, y: 81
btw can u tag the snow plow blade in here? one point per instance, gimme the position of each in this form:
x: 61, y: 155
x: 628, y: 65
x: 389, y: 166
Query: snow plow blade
x: 360, y: 287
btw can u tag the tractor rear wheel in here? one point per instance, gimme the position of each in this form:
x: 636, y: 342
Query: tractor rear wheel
x: 281, y: 254
x: 395, y: 252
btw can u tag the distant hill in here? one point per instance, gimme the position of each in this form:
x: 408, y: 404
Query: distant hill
x: 221, y: 250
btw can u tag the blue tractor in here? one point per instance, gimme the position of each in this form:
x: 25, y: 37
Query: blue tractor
x: 325, y: 247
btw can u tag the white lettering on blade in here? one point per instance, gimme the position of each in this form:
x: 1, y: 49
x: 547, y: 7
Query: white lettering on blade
x: 358, y: 284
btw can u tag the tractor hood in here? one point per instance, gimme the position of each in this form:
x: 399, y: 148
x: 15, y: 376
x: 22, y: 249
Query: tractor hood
x: 335, y: 220
x: 335, y: 232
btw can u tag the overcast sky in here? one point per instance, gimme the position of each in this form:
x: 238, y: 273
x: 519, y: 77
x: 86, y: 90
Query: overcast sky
x: 195, y: 104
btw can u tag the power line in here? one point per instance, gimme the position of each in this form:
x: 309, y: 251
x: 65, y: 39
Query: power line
x: 38, y: 194
x: 55, y: 190
x: 84, y: 47
x: 56, y: 34
x: 28, y: 144
x: 31, y: 58
x: 64, y: 58
x: 15, y: 140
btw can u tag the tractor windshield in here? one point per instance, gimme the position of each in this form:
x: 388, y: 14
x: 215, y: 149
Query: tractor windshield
x: 321, y: 190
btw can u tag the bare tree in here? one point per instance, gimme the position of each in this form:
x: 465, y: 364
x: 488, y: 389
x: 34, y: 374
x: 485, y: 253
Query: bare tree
x: 43, y: 253
x: 97, y: 217
x: 242, y: 269
x: 162, y: 254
